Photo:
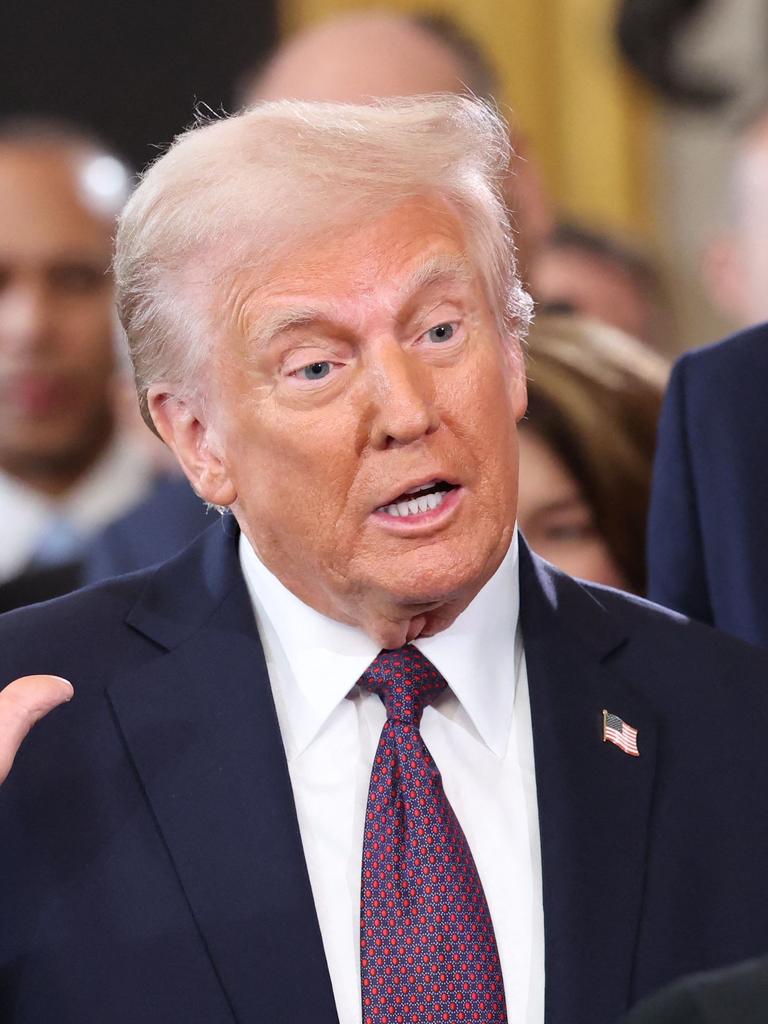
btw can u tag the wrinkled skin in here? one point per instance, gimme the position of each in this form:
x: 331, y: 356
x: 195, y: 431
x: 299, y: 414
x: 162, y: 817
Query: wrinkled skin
x: 306, y: 432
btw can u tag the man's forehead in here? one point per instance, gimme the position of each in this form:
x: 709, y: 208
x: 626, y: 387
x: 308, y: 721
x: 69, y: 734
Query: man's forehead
x: 408, y: 250
x: 291, y: 308
x: 399, y: 279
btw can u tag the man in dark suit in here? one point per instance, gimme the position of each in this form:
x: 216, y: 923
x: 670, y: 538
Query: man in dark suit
x: 68, y: 464
x: 706, y: 551
x: 160, y: 526
x: 561, y: 811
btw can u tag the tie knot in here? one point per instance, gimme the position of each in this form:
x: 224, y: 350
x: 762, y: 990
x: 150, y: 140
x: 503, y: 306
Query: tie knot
x: 405, y: 680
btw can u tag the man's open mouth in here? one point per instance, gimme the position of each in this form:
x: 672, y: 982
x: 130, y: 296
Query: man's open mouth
x: 419, y: 500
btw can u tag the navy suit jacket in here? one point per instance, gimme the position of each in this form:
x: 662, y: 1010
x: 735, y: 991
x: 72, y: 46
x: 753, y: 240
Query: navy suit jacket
x: 707, y: 550
x: 151, y: 867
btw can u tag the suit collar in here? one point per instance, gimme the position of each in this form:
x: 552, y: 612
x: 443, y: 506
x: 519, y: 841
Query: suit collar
x: 554, y: 600
x: 183, y: 592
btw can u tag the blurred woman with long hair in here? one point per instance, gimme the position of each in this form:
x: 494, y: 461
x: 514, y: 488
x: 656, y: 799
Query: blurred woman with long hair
x: 586, y: 448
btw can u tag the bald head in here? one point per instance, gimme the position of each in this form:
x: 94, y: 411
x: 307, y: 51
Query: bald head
x: 359, y: 57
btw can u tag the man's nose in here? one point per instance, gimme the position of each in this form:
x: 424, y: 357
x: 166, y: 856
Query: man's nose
x: 25, y: 316
x: 404, y: 398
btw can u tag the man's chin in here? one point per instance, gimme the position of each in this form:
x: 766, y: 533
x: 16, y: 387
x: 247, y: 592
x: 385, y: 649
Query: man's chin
x: 427, y: 588
x: 435, y: 581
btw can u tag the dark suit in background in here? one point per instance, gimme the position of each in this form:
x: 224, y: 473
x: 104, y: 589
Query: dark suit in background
x: 737, y: 995
x: 157, y: 528
x: 707, y: 548
x: 151, y: 867
x: 153, y: 531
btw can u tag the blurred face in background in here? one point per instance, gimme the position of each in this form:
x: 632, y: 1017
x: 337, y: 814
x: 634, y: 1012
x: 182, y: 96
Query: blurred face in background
x: 736, y: 264
x: 56, y: 310
x: 581, y: 282
x: 555, y: 517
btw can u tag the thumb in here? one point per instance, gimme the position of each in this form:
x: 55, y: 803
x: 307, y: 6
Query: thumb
x: 22, y: 703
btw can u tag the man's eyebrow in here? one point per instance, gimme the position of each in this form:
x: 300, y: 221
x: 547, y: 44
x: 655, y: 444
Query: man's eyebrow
x: 562, y: 505
x: 436, y: 270
x: 288, y: 318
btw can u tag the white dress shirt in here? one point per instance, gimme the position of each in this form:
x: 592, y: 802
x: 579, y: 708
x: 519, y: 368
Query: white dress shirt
x: 478, y: 732
x: 119, y: 479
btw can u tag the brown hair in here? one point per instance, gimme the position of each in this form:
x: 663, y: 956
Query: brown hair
x: 594, y: 397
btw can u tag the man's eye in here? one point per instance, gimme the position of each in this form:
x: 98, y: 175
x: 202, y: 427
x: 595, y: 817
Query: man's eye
x: 315, y: 371
x: 443, y: 332
x: 568, y: 533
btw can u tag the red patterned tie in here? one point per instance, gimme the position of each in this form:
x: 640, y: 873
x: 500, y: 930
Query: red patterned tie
x: 427, y: 948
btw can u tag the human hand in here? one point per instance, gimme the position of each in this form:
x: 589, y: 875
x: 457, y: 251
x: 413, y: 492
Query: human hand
x: 22, y: 703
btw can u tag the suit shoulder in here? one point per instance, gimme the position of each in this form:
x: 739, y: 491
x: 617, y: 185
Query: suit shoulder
x: 737, y: 354
x: 674, y: 639
x: 43, y: 637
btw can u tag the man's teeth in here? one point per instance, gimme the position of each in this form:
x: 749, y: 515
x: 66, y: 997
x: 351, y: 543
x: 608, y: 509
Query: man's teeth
x: 412, y: 507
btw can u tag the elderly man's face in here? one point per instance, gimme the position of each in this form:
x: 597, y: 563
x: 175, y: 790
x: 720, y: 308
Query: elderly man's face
x: 363, y: 407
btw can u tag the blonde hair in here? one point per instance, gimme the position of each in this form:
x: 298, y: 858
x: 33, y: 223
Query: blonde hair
x: 594, y: 397
x: 245, y: 190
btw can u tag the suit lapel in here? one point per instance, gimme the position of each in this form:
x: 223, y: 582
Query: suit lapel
x: 201, y: 729
x: 594, y: 800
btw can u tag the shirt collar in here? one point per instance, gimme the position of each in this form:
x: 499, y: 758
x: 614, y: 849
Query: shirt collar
x: 119, y: 478
x: 476, y: 653
x: 325, y: 658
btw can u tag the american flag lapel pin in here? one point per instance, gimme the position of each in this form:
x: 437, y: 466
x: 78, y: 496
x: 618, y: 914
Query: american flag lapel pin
x: 618, y: 732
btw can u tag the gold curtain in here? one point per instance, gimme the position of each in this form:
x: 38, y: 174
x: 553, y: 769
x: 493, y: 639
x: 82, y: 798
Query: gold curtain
x: 588, y: 121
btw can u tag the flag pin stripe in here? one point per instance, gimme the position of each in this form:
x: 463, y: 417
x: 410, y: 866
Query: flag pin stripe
x: 620, y: 733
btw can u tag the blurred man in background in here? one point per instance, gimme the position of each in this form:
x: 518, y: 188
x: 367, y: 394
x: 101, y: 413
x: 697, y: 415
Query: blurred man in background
x: 707, y: 555
x: 736, y: 263
x: 579, y: 270
x: 66, y: 468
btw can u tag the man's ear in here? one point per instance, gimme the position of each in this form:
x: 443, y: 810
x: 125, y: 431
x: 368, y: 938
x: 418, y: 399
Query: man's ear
x: 520, y: 395
x: 514, y: 354
x: 181, y: 424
